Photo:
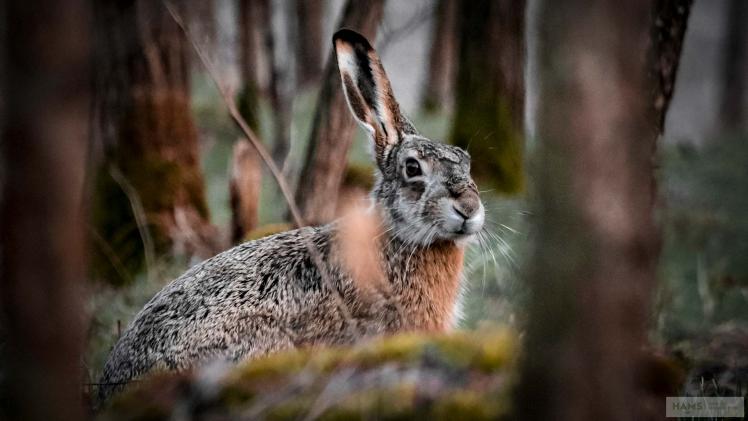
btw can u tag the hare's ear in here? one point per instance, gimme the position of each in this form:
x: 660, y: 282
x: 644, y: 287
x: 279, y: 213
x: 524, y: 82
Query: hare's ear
x: 368, y: 92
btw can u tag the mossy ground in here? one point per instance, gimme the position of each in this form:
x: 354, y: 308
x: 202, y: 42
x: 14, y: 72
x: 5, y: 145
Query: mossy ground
x: 456, y: 376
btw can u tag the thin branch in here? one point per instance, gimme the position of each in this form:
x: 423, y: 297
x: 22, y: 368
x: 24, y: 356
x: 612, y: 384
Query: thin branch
x: 237, y: 117
x: 392, y: 35
x: 141, y: 220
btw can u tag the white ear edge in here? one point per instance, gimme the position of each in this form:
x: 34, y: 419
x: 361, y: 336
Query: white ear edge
x: 348, y: 68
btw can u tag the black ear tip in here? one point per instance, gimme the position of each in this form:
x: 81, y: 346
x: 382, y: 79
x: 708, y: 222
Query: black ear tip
x: 351, y: 37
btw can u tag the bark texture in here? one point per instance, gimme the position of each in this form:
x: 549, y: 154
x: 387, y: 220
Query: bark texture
x: 150, y: 183
x: 44, y: 134
x: 333, y: 126
x: 490, y: 91
x: 437, y: 94
x: 595, y: 260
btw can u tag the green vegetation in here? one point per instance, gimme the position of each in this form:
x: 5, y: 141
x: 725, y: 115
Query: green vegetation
x: 704, y: 270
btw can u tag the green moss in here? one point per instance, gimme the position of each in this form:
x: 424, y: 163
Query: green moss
x: 359, y: 175
x: 401, y: 348
x: 486, y: 129
x: 457, y: 376
x: 467, y: 405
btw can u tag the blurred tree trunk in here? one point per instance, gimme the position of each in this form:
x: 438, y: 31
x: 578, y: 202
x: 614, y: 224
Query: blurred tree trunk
x: 733, y: 110
x: 333, y: 126
x: 280, y: 84
x: 252, y: 26
x: 490, y: 90
x: 440, y: 76
x: 44, y: 134
x: 594, y: 267
x: 309, y: 45
x: 670, y: 20
x: 203, y: 24
x: 150, y: 196
x: 246, y: 171
x: 244, y: 189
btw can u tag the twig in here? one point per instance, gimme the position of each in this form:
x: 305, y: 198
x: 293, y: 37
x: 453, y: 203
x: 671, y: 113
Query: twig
x: 268, y: 160
x: 391, y: 35
x: 117, y: 264
x: 138, y: 213
x: 237, y: 117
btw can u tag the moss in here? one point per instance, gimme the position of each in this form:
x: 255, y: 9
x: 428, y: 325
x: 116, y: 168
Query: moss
x: 359, y: 175
x: 487, y: 131
x: 396, y: 402
x: 458, y: 376
x: 467, y: 405
x: 401, y: 348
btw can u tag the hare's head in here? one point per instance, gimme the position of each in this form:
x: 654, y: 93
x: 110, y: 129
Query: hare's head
x: 423, y: 186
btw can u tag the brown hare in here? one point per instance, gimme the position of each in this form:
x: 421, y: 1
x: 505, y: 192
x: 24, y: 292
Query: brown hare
x: 294, y: 289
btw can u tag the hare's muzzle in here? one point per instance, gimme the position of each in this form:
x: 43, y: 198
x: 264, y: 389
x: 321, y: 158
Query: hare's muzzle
x: 464, y: 214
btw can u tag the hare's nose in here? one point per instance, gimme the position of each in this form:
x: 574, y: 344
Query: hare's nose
x: 466, y: 205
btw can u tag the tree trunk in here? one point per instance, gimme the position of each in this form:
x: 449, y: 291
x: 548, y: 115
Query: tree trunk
x: 245, y: 184
x: 597, y: 246
x: 244, y: 188
x: 44, y: 134
x: 150, y: 196
x: 440, y: 77
x: 279, y: 85
x: 490, y: 91
x: 333, y: 126
x: 309, y: 45
x: 670, y: 19
x: 253, y: 59
x: 734, y: 72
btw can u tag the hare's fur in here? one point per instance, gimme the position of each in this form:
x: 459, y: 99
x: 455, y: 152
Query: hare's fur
x: 294, y: 289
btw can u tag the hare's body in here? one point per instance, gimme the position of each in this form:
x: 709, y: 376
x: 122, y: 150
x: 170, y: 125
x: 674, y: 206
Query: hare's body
x: 225, y: 308
x: 302, y: 288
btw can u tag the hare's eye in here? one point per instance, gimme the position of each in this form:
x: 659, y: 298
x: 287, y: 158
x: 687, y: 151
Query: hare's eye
x: 412, y: 168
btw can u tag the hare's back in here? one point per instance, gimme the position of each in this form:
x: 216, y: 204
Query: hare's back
x: 233, y: 305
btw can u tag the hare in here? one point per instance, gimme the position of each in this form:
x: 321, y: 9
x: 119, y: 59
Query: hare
x: 294, y: 289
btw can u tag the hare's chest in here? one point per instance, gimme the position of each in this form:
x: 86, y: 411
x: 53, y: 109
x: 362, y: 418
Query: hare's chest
x: 430, y: 291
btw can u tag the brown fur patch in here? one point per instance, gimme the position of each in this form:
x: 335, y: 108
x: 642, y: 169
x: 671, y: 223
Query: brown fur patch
x: 429, y: 292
